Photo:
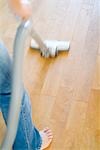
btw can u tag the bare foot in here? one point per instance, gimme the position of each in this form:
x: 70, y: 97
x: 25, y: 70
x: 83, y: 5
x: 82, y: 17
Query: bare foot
x: 47, y: 137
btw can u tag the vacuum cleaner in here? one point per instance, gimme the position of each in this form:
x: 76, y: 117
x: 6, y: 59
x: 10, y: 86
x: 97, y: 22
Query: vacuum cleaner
x: 47, y: 49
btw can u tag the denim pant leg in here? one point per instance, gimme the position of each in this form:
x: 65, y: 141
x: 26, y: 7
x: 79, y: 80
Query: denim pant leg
x: 28, y: 137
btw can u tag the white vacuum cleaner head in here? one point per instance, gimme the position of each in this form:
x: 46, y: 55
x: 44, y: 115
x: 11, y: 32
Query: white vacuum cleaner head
x: 53, y: 47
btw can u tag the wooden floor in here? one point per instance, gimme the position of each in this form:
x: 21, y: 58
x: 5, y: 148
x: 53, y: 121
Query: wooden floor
x: 64, y: 91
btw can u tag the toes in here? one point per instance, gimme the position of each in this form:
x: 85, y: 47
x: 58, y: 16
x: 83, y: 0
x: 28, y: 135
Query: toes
x: 50, y: 137
x: 46, y: 129
x: 48, y: 133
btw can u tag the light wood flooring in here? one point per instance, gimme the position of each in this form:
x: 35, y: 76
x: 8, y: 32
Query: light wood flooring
x: 64, y: 91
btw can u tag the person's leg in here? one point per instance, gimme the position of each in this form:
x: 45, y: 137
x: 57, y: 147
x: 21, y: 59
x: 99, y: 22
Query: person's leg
x: 28, y: 137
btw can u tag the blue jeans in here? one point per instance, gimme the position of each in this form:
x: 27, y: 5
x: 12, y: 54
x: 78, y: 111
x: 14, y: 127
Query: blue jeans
x: 27, y: 137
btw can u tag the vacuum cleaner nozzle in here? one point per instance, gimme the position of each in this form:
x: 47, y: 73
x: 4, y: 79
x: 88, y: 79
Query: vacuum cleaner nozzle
x: 53, y: 47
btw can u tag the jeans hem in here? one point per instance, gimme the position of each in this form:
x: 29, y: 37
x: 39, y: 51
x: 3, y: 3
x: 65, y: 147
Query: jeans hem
x: 39, y: 147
